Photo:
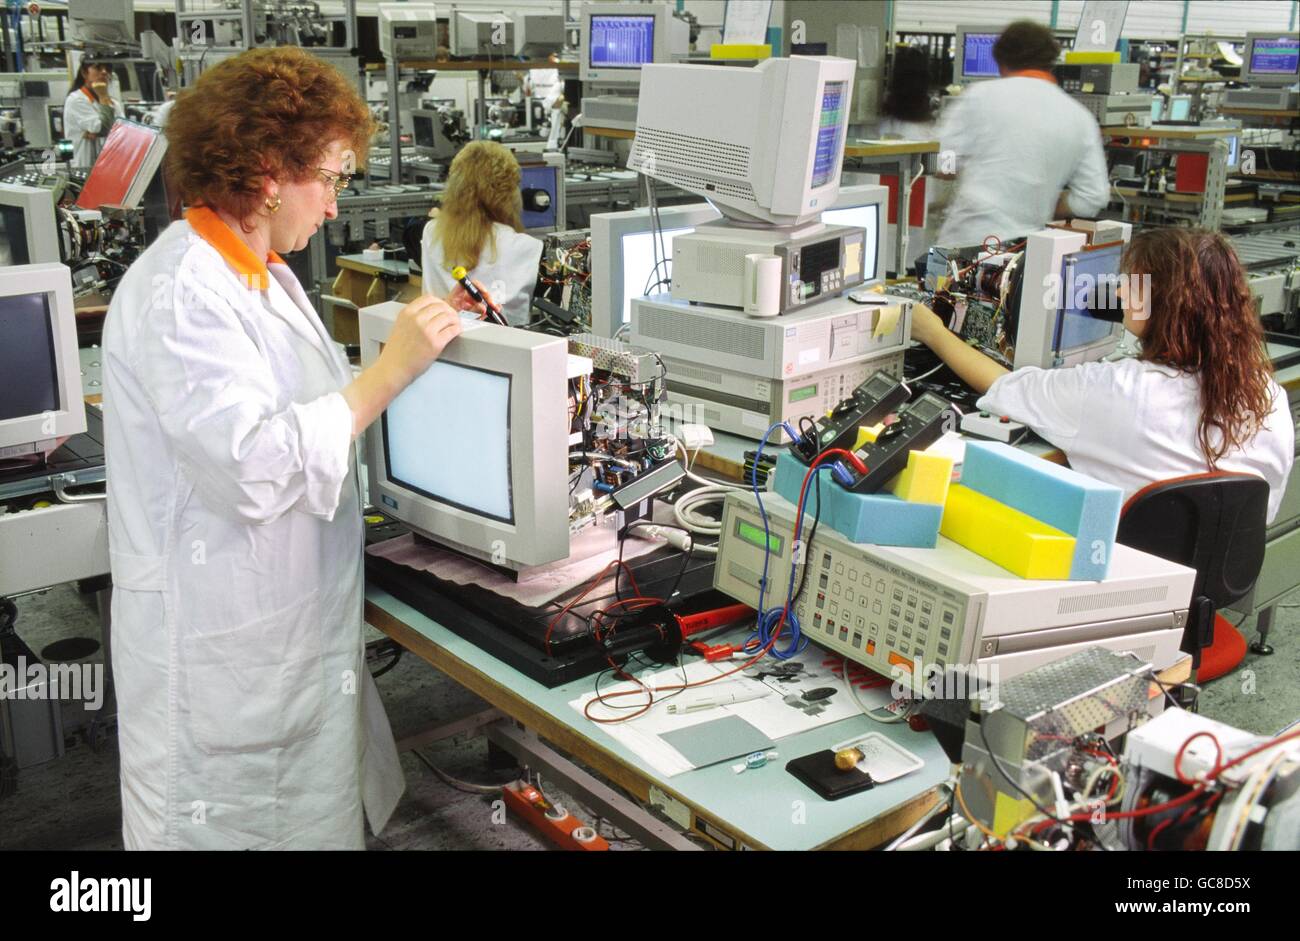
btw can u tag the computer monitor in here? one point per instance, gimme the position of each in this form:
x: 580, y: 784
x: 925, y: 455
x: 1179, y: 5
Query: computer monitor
x: 1069, y: 310
x: 1180, y: 108
x: 40, y: 396
x: 29, y: 233
x: 1271, y: 59
x: 973, y: 54
x: 864, y: 206
x: 474, y: 453
x: 617, y: 39
x: 763, y: 144
x: 622, y: 258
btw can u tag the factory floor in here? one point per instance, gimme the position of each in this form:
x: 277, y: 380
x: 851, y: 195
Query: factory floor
x: 72, y: 802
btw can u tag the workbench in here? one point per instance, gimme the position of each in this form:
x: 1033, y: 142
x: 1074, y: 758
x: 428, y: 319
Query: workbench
x: 766, y: 808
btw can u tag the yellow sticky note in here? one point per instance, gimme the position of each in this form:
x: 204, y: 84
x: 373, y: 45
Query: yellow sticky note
x: 852, y: 260
x: 887, y: 319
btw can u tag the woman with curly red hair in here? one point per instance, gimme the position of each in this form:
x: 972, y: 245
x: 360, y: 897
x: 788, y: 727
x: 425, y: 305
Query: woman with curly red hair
x: 1199, y: 397
x: 247, y: 716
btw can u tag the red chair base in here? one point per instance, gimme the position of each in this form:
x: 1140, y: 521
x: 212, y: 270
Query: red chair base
x: 1226, y: 652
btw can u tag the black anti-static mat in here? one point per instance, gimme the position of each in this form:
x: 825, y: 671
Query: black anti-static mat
x: 81, y: 452
x: 512, y: 632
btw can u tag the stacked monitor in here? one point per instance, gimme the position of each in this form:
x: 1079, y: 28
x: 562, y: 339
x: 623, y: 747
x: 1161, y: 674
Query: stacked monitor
x: 1271, y: 59
x: 474, y: 453
x: 40, y: 396
x: 747, y: 139
x: 28, y: 231
x: 973, y: 56
x: 623, y: 258
x: 618, y: 39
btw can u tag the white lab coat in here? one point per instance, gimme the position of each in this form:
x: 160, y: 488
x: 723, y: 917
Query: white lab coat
x: 1015, y: 143
x: 1131, y: 423
x: 82, y: 115
x: 509, y: 273
x: 247, y: 716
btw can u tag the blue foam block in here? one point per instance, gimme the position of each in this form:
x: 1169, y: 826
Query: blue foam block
x: 878, y: 518
x: 1072, y: 502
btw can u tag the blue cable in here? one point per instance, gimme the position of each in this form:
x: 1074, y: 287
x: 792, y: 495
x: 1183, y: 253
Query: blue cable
x: 769, y: 620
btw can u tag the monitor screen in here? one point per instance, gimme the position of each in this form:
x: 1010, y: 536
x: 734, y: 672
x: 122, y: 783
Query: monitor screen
x: 447, y: 437
x: 13, y: 236
x: 830, y: 131
x: 862, y: 217
x: 1280, y: 56
x: 977, y: 56
x: 1089, y: 304
x: 1180, y: 108
x: 27, y: 359
x: 639, y: 274
x: 622, y: 41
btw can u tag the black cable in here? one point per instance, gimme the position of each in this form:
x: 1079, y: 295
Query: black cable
x: 803, y: 576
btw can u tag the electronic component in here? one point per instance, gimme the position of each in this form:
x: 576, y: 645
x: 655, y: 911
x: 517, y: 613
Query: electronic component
x: 1131, y: 110
x: 1098, y: 78
x: 1029, y: 725
x: 995, y: 427
x: 913, y: 609
x: 915, y: 426
x: 615, y: 358
x: 869, y: 404
x: 709, y: 263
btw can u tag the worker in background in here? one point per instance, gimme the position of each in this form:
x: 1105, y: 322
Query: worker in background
x: 247, y: 715
x: 480, y: 227
x: 1199, y: 397
x: 1014, y: 144
x: 89, y: 111
x: 907, y: 111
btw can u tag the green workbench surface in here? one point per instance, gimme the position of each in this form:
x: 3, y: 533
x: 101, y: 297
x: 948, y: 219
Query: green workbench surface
x: 764, y: 808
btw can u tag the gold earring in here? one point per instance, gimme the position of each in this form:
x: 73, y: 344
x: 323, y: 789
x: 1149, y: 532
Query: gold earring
x: 274, y: 206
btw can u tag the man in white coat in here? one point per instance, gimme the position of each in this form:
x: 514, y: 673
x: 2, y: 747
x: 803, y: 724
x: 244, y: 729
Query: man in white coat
x: 247, y: 716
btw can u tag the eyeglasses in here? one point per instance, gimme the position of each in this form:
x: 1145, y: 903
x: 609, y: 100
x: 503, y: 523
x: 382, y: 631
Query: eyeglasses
x: 337, y: 181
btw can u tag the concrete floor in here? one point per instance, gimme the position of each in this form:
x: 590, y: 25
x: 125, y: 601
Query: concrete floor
x: 73, y: 802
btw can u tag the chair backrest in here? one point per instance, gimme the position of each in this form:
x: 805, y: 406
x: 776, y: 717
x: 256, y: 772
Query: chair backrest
x: 1214, y: 523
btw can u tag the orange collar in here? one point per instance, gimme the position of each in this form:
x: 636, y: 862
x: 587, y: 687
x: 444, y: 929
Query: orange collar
x: 1034, y: 73
x: 209, y: 227
x: 88, y: 93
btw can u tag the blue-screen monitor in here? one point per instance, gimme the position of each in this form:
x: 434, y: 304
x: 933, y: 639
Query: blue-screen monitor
x: 621, y: 41
x: 1272, y: 60
x: 975, y: 56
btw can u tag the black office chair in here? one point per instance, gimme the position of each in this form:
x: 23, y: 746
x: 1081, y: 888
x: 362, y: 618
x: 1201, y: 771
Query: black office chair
x: 1213, y: 523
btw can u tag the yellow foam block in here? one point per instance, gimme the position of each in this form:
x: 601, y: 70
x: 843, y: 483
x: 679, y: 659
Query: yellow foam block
x: 1016, y: 541
x: 867, y: 434
x: 1091, y: 58
x: 740, y: 51
x: 925, y: 479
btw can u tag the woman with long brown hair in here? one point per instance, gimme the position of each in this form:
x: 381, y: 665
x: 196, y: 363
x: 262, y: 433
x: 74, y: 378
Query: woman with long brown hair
x: 480, y: 228
x: 1199, y: 397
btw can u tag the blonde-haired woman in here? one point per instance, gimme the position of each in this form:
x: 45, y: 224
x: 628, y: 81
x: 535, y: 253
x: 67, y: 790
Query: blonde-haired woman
x: 479, y: 227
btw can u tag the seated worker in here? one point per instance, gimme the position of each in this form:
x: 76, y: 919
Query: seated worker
x: 479, y: 227
x: 1013, y: 144
x: 1199, y: 397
